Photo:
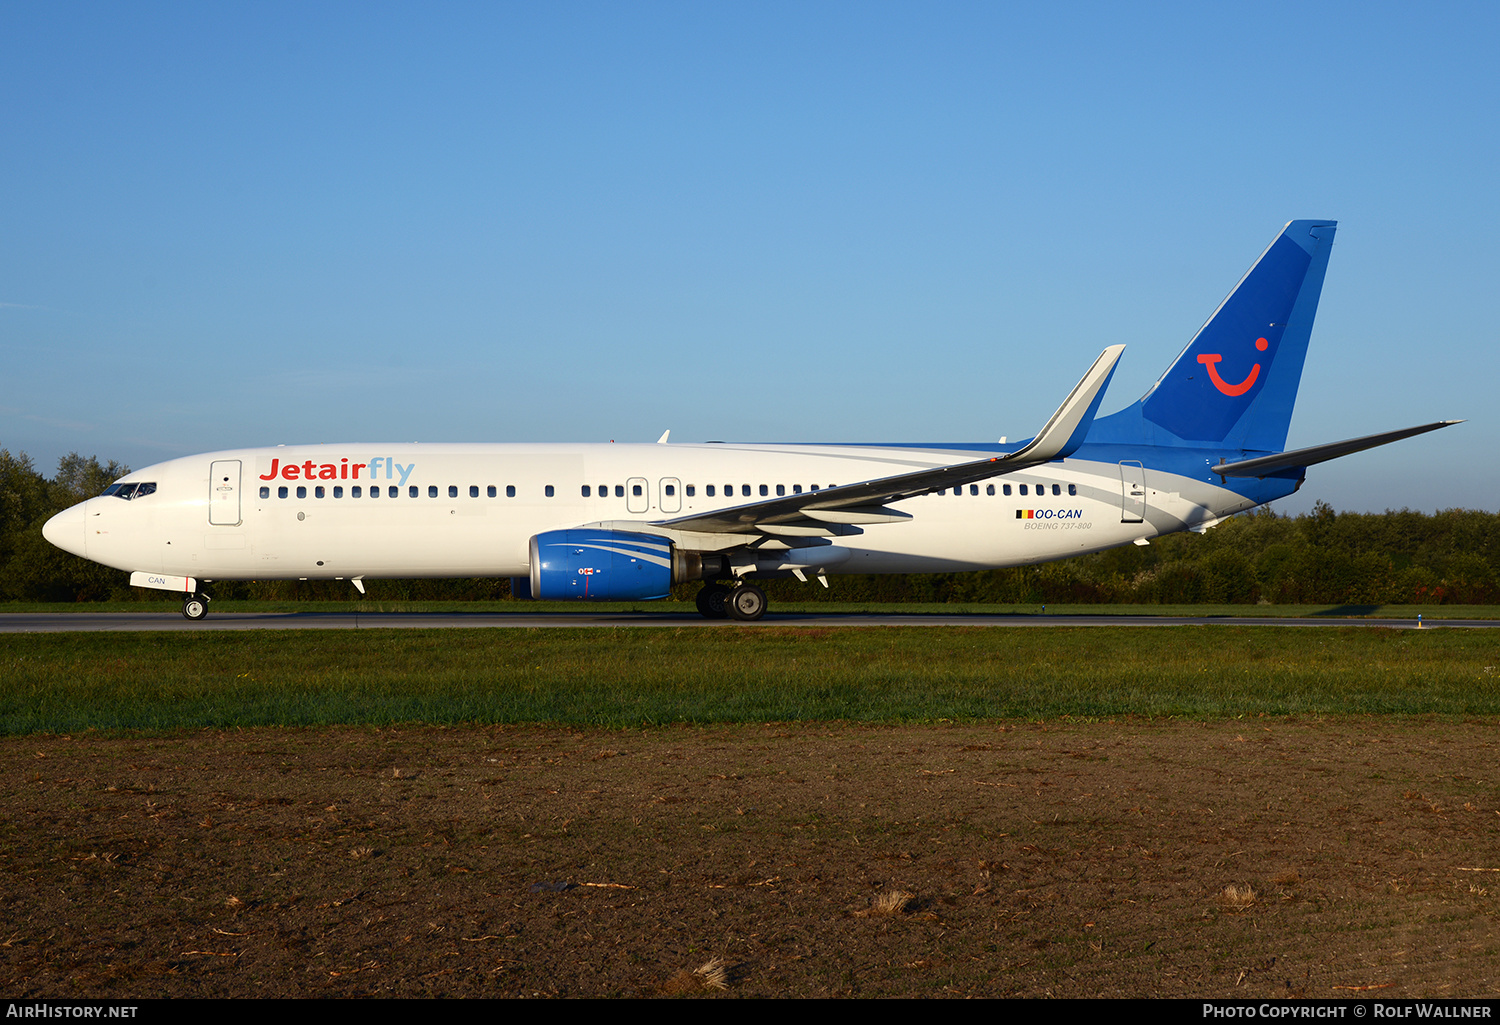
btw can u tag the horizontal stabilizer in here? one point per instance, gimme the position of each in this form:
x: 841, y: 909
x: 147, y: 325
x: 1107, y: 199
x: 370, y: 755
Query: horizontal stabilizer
x: 1265, y: 465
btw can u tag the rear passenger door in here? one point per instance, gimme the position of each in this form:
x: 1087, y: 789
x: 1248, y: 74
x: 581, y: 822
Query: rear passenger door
x: 1132, y: 492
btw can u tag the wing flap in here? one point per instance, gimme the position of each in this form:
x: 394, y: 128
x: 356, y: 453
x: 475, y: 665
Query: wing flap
x: 857, y: 514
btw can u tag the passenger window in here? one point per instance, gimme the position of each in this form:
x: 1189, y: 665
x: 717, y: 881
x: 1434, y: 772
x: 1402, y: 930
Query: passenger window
x: 301, y: 491
x: 550, y: 491
x: 490, y: 491
x: 796, y: 489
x: 356, y: 492
x: 989, y: 489
x: 412, y: 491
x: 473, y: 490
x: 745, y: 490
x: 1057, y: 489
x: 973, y: 489
x: 619, y: 491
x: 585, y: 491
x: 318, y: 492
x: 764, y: 490
x: 1072, y: 489
x: 452, y: 490
x: 265, y: 492
x: 671, y: 490
x: 510, y: 491
x: 394, y: 492
x: 1023, y: 489
x: 1005, y: 488
x: 691, y: 490
x: 281, y: 492
x: 635, y: 489
x: 432, y: 491
x: 709, y: 491
x: 338, y: 491
x: 815, y: 487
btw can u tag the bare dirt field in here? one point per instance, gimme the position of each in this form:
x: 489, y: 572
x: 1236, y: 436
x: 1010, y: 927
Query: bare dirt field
x: 1253, y: 858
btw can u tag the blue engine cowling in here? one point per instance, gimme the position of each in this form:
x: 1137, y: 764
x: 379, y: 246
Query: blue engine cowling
x: 600, y: 565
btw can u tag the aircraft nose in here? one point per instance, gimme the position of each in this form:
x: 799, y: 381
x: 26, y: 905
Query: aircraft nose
x: 66, y: 529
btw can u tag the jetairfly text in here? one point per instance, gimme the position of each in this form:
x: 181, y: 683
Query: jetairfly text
x: 378, y: 468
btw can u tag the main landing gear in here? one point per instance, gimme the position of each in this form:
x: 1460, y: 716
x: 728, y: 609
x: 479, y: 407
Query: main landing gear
x: 744, y: 602
x: 711, y: 601
x: 194, y: 606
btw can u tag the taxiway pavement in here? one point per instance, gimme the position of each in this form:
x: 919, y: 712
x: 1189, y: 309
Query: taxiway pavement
x: 65, y: 622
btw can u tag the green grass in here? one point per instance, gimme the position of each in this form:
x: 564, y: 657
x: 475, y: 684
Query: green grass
x: 621, y: 677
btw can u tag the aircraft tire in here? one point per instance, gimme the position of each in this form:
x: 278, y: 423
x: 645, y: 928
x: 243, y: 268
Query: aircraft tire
x: 711, y: 600
x: 194, y: 608
x: 747, y: 603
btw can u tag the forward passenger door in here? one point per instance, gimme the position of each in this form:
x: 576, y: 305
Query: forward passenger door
x: 224, y: 493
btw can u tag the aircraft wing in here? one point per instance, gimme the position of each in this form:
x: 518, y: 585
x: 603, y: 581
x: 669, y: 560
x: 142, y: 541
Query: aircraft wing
x: 813, y: 512
x: 1262, y: 466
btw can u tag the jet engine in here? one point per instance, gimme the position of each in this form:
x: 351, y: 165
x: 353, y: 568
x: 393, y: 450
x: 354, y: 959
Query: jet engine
x: 612, y: 565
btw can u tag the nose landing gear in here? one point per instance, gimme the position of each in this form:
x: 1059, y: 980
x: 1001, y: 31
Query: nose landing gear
x: 195, y: 607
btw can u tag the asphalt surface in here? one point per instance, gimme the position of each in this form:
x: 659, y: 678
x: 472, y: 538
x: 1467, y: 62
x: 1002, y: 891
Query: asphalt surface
x: 63, y: 622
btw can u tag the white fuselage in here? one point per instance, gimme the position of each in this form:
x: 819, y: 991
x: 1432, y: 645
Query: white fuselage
x: 416, y: 510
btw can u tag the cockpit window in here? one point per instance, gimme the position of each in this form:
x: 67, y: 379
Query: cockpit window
x: 130, y: 489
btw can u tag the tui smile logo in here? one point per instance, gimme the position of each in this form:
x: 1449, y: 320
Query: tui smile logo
x: 1232, y: 390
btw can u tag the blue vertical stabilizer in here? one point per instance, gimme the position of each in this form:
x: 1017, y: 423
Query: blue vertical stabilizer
x: 1236, y: 382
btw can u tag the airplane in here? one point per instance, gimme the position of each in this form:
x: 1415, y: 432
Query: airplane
x: 626, y: 522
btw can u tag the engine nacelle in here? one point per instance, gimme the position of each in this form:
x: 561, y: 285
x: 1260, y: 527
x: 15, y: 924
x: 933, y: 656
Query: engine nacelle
x: 610, y: 565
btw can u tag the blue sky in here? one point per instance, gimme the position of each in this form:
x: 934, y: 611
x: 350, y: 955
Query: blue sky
x: 234, y: 224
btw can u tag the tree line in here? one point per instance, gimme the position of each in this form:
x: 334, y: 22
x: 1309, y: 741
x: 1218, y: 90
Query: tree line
x: 1325, y: 557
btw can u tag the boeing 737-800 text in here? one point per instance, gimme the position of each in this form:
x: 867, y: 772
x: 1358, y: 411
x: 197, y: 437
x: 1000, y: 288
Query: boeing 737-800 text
x: 625, y: 522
